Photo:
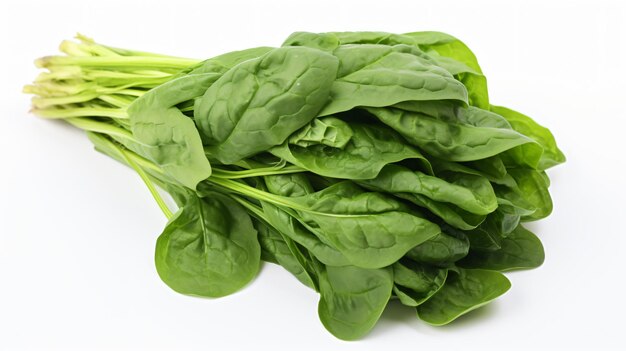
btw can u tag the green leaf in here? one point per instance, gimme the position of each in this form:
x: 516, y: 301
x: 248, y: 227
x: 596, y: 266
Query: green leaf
x: 449, y: 213
x: 329, y: 131
x: 380, y: 75
x: 260, y: 102
x: 441, y: 250
x: 462, y: 292
x: 289, y: 225
x: 551, y: 156
x: 368, y: 150
x: 441, y: 167
x: 488, y: 235
x: 533, y: 189
x: 468, y: 192
x: 278, y: 249
x: 167, y: 137
x: 457, y: 139
x: 209, y: 248
x: 372, y: 230
x: 294, y: 185
x: 519, y: 250
x: 352, y: 299
x: 458, y: 59
x: 443, y: 49
x: 415, y: 283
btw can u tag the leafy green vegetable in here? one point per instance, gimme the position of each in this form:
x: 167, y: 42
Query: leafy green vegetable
x: 165, y: 135
x: 370, y: 165
x: 209, y: 248
x: 366, y: 152
x: 260, y: 102
x: 415, y: 283
x: 451, y: 140
x: 551, y: 156
x: 442, y: 250
x: 519, y: 250
x: 279, y: 249
x: 462, y: 292
x: 352, y: 299
x: 370, y: 229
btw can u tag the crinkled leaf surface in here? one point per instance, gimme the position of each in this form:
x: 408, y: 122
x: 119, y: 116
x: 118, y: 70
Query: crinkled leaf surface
x: 260, y: 102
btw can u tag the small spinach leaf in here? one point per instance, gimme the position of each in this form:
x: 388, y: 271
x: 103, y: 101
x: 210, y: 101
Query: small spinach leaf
x: 368, y: 150
x: 519, y: 250
x: 462, y: 292
x: 352, y: 299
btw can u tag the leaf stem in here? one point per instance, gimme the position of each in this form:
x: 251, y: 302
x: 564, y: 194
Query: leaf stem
x: 61, y: 113
x: 226, y: 174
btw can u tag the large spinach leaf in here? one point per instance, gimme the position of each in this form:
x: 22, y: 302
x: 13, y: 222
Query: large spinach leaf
x: 372, y: 230
x: 452, y: 140
x: 260, y: 102
x: 209, y: 248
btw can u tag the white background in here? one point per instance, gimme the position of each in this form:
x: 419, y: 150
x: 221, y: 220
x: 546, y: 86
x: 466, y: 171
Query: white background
x: 77, y: 230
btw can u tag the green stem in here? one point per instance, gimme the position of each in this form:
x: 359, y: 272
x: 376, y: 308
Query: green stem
x: 116, y: 100
x: 146, y: 179
x: 129, y: 158
x: 256, y: 210
x: 58, y: 113
x: 116, y: 61
x: 272, y: 198
x: 226, y: 174
x: 100, y: 127
x: 43, y: 102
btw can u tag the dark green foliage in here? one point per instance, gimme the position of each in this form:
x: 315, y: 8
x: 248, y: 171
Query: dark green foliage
x: 372, y: 166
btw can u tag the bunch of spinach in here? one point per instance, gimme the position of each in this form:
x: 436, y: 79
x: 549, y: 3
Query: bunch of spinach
x: 372, y: 166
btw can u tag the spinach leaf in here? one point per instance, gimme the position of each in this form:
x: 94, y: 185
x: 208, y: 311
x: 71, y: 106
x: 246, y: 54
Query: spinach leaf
x: 260, y: 102
x: 286, y: 221
x: 551, y: 156
x: 165, y: 136
x: 352, y: 299
x: 519, y: 250
x: 329, y: 131
x: 489, y: 170
x: 449, y: 213
x: 380, y: 75
x: 470, y: 193
x: 533, y: 189
x: 209, y: 248
x: 372, y: 230
x: 451, y: 140
x: 365, y: 153
x: 458, y: 59
x: 442, y: 250
x: 445, y: 50
x: 415, y: 283
x: 278, y: 249
x: 462, y: 292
